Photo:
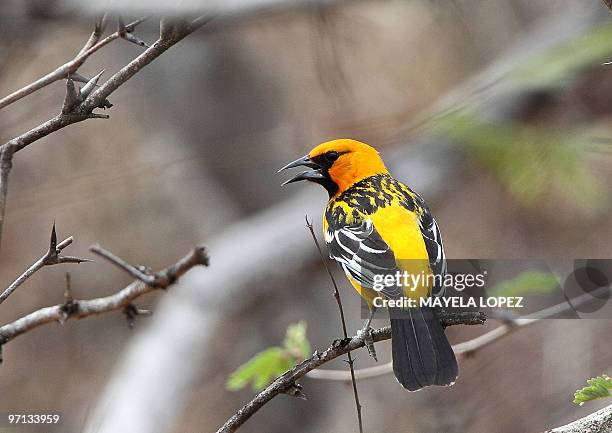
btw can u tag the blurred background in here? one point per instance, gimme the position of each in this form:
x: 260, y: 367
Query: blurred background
x: 498, y: 112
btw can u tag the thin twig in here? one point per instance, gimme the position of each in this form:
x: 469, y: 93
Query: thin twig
x: 132, y: 270
x: 467, y: 348
x: 337, y: 349
x: 79, y: 309
x: 342, y: 320
x: 161, y: 279
x: 51, y: 257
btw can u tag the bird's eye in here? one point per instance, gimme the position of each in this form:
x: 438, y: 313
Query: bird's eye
x: 332, y: 155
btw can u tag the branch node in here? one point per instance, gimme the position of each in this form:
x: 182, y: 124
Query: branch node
x: 295, y: 390
x: 131, y: 311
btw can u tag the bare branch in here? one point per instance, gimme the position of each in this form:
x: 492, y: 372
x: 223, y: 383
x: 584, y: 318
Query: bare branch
x: 51, y: 257
x: 92, y: 45
x: 338, y: 348
x: 608, y: 3
x: 79, y: 309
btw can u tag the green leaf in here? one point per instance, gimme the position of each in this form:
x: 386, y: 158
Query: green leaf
x: 599, y: 387
x: 272, y: 362
x: 296, y: 342
x: 260, y: 369
x: 526, y: 282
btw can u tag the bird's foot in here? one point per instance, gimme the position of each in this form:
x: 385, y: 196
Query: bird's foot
x: 366, y: 335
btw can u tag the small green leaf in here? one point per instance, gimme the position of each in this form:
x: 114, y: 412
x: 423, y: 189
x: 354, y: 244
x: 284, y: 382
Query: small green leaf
x: 272, y: 362
x: 599, y: 387
x: 260, y: 369
x: 296, y: 342
x: 526, y: 282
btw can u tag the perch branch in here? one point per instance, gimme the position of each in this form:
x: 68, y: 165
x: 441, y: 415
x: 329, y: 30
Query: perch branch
x: 469, y: 347
x: 283, y: 383
x: 51, y: 257
x: 122, y: 300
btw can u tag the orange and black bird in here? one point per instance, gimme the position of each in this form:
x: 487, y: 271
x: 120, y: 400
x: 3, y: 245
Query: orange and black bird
x: 374, y: 226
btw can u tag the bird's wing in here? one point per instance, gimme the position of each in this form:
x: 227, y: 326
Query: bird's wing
x: 435, y: 248
x: 363, y: 254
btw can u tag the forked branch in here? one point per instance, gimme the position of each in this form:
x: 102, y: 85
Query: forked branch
x: 122, y: 300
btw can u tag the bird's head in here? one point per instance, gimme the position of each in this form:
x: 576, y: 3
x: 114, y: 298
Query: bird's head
x: 338, y: 164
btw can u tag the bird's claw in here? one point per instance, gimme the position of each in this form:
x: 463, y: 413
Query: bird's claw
x: 366, y: 335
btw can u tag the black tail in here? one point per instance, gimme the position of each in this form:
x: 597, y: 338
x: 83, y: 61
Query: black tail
x: 422, y: 355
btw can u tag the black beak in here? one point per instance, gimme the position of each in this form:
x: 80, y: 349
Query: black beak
x: 313, y: 175
x: 304, y: 161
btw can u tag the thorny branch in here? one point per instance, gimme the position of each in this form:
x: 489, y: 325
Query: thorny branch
x: 122, y: 300
x: 340, y: 347
x: 79, y: 106
x: 70, y: 68
x: 51, y: 257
